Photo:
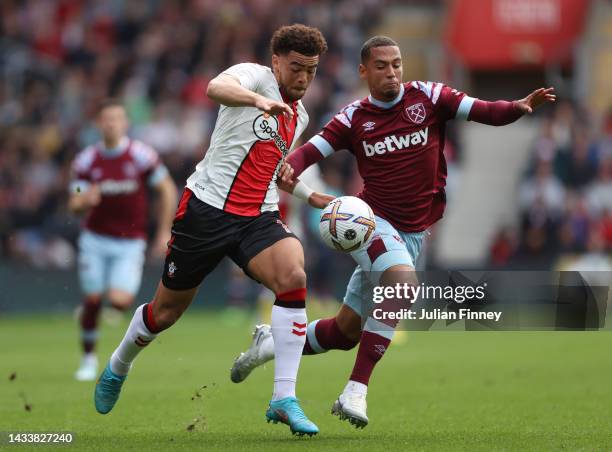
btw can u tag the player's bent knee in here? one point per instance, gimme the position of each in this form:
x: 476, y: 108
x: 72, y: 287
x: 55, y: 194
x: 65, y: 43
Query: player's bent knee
x: 399, y: 273
x: 120, y: 299
x: 290, y: 279
x: 93, y: 299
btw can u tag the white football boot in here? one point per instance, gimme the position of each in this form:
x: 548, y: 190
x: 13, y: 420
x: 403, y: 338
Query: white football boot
x: 351, y: 406
x: 260, y: 352
x: 88, y: 370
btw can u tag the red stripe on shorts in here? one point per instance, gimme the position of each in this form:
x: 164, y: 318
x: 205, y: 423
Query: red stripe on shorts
x: 376, y: 248
x: 182, y: 207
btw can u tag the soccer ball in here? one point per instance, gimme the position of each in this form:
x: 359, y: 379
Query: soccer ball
x: 347, y: 224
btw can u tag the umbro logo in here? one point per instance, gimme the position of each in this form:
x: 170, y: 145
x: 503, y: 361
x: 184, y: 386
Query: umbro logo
x: 380, y: 349
x: 368, y: 126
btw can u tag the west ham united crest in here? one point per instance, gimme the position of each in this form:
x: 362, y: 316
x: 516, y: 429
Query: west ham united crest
x: 416, y: 113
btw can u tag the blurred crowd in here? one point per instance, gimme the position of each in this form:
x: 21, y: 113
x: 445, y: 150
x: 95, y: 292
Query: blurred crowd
x: 60, y: 58
x: 566, y: 196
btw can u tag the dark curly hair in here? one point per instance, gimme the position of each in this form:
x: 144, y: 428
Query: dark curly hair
x: 308, y: 41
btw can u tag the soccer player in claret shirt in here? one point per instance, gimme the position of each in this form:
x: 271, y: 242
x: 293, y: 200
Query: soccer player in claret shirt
x: 397, y: 136
x: 109, y: 184
x: 230, y: 208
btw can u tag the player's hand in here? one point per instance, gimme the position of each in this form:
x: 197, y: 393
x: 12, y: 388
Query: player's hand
x: 320, y: 200
x: 92, y: 197
x: 285, y: 181
x: 273, y: 107
x: 286, y: 173
x: 535, y: 99
x: 159, y: 246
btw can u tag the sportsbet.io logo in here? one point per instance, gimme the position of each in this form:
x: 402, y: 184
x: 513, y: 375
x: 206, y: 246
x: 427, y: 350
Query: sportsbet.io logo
x: 265, y: 127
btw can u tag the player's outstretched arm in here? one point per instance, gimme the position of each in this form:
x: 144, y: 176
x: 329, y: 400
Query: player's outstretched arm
x: 227, y: 90
x: 501, y: 112
x: 299, y: 189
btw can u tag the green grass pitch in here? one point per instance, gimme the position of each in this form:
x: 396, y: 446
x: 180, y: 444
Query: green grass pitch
x: 434, y: 391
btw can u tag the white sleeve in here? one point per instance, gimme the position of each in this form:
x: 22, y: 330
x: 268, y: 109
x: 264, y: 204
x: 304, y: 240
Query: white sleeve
x: 248, y: 74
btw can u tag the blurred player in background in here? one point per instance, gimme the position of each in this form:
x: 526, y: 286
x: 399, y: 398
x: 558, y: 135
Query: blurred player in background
x: 110, y: 186
x: 230, y: 208
x: 397, y: 136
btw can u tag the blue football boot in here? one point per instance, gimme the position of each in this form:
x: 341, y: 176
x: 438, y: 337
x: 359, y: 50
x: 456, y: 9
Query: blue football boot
x: 107, y: 390
x: 288, y: 412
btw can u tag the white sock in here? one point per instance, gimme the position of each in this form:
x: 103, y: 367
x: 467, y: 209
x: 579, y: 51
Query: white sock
x: 136, y: 338
x: 90, y: 358
x: 355, y: 386
x: 288, y: 348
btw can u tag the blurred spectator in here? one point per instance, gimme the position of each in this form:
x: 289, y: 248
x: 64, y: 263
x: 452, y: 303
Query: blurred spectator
x: 574, y: 229
x: 599, y: 193
x: 504, y: 247
x: 543, y: 190
x: 576, y: 167
x: 566, y: 199
x: 60, y: 58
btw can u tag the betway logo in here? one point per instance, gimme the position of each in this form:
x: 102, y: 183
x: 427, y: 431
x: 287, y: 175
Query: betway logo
x: 394, y: 143
x: 112, y: 187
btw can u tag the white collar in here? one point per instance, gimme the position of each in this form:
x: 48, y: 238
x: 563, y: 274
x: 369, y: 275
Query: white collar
x: 121, y: 147
x: 389, y: 104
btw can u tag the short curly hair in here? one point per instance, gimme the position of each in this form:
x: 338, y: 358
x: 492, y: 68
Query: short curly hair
x: 300, y: 38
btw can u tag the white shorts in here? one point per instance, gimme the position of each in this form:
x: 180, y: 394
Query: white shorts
x: 107, y: 262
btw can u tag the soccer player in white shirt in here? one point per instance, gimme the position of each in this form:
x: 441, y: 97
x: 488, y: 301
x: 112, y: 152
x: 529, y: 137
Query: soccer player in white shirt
x: 230, y: 208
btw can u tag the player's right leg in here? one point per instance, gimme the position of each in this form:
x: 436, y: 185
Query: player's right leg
x: 198, y: 243
x: 148, y: 321
x: 91, y: 270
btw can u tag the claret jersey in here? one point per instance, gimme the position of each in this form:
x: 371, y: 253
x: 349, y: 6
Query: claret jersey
x: 399, y: 150
x: 122, y: 175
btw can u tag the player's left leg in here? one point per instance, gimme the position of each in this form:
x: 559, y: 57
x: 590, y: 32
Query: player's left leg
x: 341, y: 332
x: 388, y: 260
x: 125, y: 272
x: 271, y: 254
